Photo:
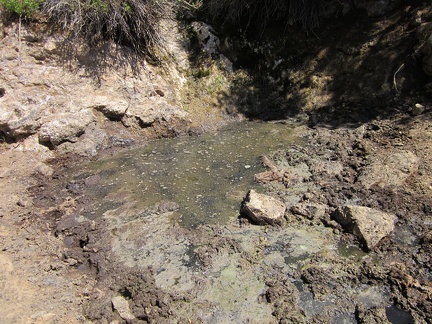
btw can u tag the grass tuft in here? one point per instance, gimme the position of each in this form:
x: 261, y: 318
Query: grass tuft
x: 134, y: 23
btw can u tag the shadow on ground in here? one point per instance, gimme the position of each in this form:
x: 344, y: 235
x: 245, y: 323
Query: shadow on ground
x: 350, y: 72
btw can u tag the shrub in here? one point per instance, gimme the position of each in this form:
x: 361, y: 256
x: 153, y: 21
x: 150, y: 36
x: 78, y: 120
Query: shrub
x: 23, y: 8
x: 128, y: 22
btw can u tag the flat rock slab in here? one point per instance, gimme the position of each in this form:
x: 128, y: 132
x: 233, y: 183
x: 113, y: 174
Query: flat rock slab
x: 391, y: 169
x: 369, y: 225
x: 262, y: 209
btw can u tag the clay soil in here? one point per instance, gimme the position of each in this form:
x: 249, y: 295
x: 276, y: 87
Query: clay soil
x: 56, y: 269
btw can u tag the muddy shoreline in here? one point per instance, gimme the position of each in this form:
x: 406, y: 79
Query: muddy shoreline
x: 360, y: 93
x: 324, y: 285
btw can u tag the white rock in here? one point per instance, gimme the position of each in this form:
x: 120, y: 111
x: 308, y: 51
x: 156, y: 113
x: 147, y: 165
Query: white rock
x: 369, y: 225
x: 109, y: 107
x: 155, y: 108
x: 262, y: 209
x: 121, y: 305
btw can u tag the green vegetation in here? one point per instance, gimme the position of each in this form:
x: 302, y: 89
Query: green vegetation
x: 22, y: 8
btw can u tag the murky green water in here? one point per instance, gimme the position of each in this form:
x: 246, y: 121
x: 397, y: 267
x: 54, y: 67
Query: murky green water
x: 207, y: 176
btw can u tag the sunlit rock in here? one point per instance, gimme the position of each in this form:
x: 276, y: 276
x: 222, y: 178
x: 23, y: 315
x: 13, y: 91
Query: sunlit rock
x: 121, y: 305
x: 389, y: 170
x: 109, y: 107
x: 262, y: 209
x: 369, y: 225
x: 67, y: 127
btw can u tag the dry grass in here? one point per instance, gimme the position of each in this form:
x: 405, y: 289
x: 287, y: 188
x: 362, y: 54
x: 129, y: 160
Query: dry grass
x: 133, y: 23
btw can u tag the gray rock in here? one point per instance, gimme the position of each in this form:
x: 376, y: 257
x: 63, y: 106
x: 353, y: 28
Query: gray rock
x: 309, y: 210
x: 18, y: 120
x: 369, y: 225
x: 206, y: 35
x: 427, y: 65
x: 391, y: 169
x: 418, y: 109
x: 44, y: 170
x: 67, y: 127
x: 262, y: 209
x: 89, y: 142
x: 168, y: 206
x: 377, y: 8
x: 121, y: 305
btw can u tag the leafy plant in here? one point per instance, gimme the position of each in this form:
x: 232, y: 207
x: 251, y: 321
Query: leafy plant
x: 22, y: 8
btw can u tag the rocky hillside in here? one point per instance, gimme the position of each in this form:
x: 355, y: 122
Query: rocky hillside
x: 100, y: 97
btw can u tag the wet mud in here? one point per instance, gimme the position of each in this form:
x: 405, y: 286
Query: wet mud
x: 308, y: 270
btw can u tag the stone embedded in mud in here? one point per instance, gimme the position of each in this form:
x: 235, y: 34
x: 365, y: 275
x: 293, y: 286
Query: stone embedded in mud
x: 121, y: 305
x: 67, y: 127
x: 391, y: 169
x: 168, y: 206
x: 309, y: 210
x: 262, y: 209
x: 369, y: 225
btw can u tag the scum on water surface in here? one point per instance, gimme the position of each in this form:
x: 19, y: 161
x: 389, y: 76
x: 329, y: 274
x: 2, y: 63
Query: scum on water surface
x: 206, y: 176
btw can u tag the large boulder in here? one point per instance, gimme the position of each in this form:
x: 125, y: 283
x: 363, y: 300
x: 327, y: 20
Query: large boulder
x: 262, y: 209
x: 66, y: 127
x: 369, y: 225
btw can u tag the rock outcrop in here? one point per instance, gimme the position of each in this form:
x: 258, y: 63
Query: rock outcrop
x: 57, y: 104
x: 262, y: 209
x: 369, y: 225
x: 67, y: 127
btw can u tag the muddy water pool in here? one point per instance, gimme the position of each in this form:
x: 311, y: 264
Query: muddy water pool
x: 206, y: 176
x: 172, y: 204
